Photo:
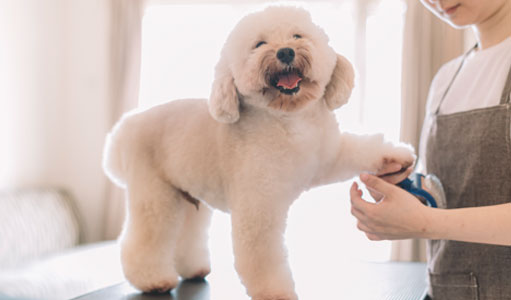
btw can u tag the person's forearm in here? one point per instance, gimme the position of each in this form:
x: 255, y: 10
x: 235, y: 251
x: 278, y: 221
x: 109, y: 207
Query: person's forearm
x: 486, y: 224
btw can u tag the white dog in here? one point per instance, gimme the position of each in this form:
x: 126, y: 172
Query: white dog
x: 266, y: 134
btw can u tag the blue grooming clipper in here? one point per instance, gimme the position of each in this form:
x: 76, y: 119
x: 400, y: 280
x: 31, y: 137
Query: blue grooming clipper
x: 413, y: 184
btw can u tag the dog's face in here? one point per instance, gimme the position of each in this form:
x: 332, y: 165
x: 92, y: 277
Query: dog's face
x: 278, y: 59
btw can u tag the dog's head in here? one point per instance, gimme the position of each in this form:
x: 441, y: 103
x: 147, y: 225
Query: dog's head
x: 278, y: 59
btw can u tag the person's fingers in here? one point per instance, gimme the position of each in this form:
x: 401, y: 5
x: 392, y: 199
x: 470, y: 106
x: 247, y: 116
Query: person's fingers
x: 377, y: 196
x: 377, y: 184
x: 396, y: 178
x: 408, y: 171
x: 356, y: 199
x: 370, y: 233
x: 355, y: 194
x: 374, y: 234
x: 374, y: 237
x: 389, y: 169
x: 363, y: 227
x: 357, y: 213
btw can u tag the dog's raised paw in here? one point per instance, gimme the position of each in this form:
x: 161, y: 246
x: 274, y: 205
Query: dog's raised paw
x: 402, y: 154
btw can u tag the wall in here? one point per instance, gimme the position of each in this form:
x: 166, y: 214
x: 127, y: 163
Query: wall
x: 54, y: 94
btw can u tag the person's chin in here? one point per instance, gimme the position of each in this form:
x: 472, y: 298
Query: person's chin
x: 457, y: 20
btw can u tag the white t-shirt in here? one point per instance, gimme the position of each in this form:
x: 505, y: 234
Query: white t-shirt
x: 478, y: 84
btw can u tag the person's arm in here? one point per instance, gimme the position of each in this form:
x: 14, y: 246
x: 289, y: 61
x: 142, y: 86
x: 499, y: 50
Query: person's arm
x: 399, y: 215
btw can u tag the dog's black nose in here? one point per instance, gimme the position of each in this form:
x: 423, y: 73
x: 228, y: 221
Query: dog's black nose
x: 286, y: 55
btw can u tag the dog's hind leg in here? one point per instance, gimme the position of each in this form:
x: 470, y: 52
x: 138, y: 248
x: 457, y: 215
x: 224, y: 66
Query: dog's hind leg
x: 155, y: 215
x: 192, y: 254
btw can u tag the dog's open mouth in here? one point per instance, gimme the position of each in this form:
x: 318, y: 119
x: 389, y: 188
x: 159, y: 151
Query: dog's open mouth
x: 287, y: 81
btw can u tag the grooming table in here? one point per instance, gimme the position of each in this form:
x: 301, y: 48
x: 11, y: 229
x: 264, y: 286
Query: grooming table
x: 382, y: 281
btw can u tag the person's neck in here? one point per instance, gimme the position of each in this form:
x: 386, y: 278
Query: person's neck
x: 495, y: 29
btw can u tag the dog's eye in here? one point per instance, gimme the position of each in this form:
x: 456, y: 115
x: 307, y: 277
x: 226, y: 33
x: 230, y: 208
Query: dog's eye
x: 260, y: 44
x: 297, y: 36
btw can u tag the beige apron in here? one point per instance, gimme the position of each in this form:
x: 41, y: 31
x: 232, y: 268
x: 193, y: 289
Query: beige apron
x: 471, y: 154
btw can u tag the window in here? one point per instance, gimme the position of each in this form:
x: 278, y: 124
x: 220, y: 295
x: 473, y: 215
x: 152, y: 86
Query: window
x: 181, y: 45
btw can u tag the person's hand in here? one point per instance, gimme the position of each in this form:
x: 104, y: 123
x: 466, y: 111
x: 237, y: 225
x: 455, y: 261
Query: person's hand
x: 397, y: 214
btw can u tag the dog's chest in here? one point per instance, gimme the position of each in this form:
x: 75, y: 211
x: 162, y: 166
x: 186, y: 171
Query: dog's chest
x: 302, y: 141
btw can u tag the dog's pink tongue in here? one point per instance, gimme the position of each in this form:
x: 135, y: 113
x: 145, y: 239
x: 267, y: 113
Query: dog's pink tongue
x: 289, y: 81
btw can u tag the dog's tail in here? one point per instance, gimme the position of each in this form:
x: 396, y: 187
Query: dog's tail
x: 114, y: 155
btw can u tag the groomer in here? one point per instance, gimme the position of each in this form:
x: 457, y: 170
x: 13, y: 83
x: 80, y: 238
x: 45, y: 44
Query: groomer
x: 466, y: 143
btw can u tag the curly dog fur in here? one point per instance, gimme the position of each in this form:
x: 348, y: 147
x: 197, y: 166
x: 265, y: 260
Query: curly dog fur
x: 266, y: 134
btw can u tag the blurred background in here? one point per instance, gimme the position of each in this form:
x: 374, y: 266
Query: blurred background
x: 70, y: 68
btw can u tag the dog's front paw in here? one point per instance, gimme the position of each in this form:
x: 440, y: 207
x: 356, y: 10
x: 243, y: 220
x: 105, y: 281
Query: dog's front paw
x: 274, y: 290
x: 276, y: 297
x: 401, y: 154
x: 273, y: 298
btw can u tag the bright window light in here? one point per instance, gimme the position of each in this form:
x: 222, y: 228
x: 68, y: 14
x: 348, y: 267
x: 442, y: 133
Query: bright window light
x: 180, y: 47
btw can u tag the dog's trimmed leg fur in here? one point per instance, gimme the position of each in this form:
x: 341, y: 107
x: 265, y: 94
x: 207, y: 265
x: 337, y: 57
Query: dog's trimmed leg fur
x: 258, y: 228
x: 376, y: 153
x: 149, y: 239
x: 192, y: 253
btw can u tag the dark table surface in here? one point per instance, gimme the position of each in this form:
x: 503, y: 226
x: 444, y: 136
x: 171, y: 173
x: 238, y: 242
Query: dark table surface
x: 358, y: 281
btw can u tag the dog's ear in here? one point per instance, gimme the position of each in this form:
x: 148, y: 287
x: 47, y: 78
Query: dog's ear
x: 338, y: 90
x: 223, y: 102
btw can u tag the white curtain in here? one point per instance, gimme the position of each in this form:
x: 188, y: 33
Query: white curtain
x: 427, y: 44
x: 126, y: 29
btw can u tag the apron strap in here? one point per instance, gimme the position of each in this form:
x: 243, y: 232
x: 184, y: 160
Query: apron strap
x: 507, y: 89
x: 454, y: 77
